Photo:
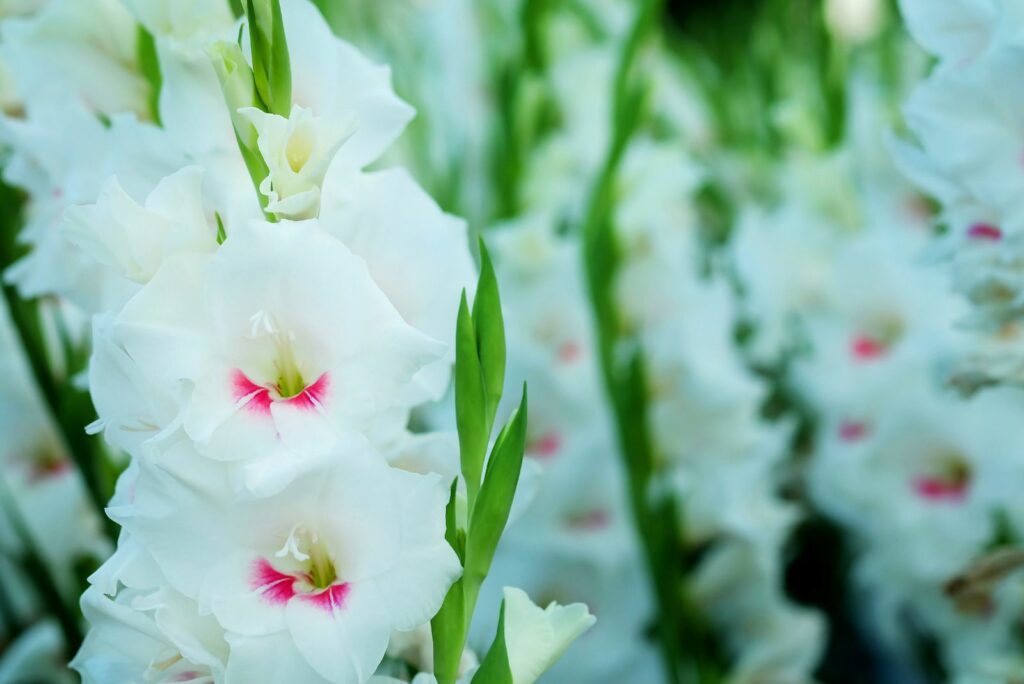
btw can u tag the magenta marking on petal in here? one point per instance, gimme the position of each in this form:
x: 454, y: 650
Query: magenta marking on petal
x: 852, y: 431
x: 312, y: 397
x: 50, y: 469
x: 591, y: 521
x: 275, y: 587
x: 939, y: 489
x: 547, y: 445
x: 330, y: 599
x: 985, y: 231
x: 570, y: 351
x: 257, y: 399
x: 867, y: 348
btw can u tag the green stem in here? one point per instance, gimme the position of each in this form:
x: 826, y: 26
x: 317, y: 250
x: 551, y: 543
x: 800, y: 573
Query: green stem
x: 40, y: 575
x: 624, y: 376
x: 70, y: 407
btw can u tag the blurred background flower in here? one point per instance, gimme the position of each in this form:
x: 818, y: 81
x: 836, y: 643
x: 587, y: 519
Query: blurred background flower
x: 760, y: 269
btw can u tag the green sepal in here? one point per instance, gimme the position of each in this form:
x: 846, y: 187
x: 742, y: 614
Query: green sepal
x: 448, y: 627
x: 258, y: 170
x: 238, y: 87
x: 271, y: 64
x: 490, y: 335
x: 489, y: 516
x: 495, y: 668
x: 448, y: 630
x: 222, y: 234
x: 453, y: 534
x: 149, y: 65
x: 473, y: 428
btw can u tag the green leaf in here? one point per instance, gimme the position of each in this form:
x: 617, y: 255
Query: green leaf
x: 271, y: 64
x: 495, y: 668
x: 236, y: 8
x: 490, y: 335
x: 281, y: 68
x: 149, y: 64
x: 469, y: 403
x: 489, y: 516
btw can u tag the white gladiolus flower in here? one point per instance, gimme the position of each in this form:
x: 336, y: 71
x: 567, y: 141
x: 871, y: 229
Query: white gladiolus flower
x: 416, y: 647
x: 35, y: 656
x: 773, y: 640
x: 340, y: 90
x: 136, y: 153
x: 184, y: 22
x: 141, y: 637
x: 135, y: 239
x: 320, y: 573
x: 957, y: 31
x: 298, y: 151
x: 417, y: 254
x: 536, y: 637
x: 277, y: 345
x: 83, y: 48
x: 333, y: 80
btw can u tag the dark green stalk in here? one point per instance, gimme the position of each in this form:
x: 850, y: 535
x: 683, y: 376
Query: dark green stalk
x: 70, y: 407
x: 622, y: 366
x: 40, y: 575
x: 624, y: 382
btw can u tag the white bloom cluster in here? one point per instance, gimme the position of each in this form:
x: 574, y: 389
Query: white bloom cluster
x: 715, y: 454
x: 256, y: 352
x: 752, y: 302
x: 921, y: 481
x: 965, y: 152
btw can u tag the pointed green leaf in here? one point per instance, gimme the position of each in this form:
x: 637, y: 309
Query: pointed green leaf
x: 280, y: 65
x: 270, y: 61
x: 495, y: 668
x: 469, y: 403
x: 149, y: 64
x: 490, y: 334
x: 489, y: 516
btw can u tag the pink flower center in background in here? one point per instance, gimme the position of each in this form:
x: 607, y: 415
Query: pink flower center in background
x: 947, y: 483
x: 852, y: 431
x: 867, y: 348
x: 936, y: 488
x: 258, y: 398
x: 590, y: 521
x: 278, y: 588
x: 984, y: 231
x: 546, y: 446
x: 569, y: 351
